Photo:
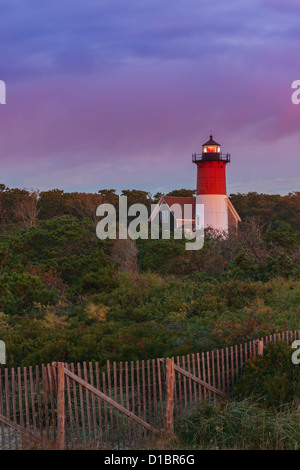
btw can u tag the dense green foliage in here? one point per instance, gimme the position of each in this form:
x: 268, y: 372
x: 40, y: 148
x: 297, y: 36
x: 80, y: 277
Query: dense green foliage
x: 65, y: 295
x: 272, y: 377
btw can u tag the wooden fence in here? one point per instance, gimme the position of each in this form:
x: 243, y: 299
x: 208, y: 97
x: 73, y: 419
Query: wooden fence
x: 84, y: 406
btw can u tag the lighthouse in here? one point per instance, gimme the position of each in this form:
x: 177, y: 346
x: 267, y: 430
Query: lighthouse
x: 219, y: 213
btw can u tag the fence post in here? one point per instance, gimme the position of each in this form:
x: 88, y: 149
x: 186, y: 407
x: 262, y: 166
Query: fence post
x: 261, y: 347
x: 169, y: 423
x: 60, y: 441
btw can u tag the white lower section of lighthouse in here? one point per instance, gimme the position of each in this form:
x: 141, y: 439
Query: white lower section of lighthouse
x: 212, y: 211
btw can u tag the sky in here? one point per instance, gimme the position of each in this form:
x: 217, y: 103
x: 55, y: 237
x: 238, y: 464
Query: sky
x: 119, y: 94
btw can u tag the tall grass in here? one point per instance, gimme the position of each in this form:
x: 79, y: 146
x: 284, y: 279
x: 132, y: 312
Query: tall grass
x: 241, y: 425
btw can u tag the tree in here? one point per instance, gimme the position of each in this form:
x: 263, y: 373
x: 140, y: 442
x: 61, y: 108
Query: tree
x: 109, y: 196
x: 135, y: 196
x: 27, y: 209
x: 84, y: 205
x: 52, y: 203
x: 182, y: 193
x: 124, y: 253
x: 157, y: 196
x: 2, y: 204
x: 251, y: 239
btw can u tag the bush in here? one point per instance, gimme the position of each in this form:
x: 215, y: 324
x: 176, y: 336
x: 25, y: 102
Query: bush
x: 272, y: 377
x: 19, y: 291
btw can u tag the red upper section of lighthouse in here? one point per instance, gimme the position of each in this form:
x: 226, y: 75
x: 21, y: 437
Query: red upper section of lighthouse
x: 211, y: 169
x: 211, y: 177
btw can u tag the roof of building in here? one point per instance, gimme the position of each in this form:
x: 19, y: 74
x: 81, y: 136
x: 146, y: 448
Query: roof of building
x: 234, y: 213
x: 211, y: 141
x: 179, y: 212
x: 176, y: 205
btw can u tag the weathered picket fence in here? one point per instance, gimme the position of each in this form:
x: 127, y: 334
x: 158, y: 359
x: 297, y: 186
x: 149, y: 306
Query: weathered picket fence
x: 123, y: 405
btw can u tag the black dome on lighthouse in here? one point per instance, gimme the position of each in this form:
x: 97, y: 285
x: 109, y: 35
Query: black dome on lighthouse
x: 211, y: 141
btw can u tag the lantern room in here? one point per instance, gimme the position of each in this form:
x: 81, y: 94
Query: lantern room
x: 211, y: 146
x: 211, y: 151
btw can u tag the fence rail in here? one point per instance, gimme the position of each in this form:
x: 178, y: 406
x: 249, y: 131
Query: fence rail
x: 122, y: 405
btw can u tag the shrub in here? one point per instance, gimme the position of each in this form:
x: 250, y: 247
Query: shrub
x: 272, y: 377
